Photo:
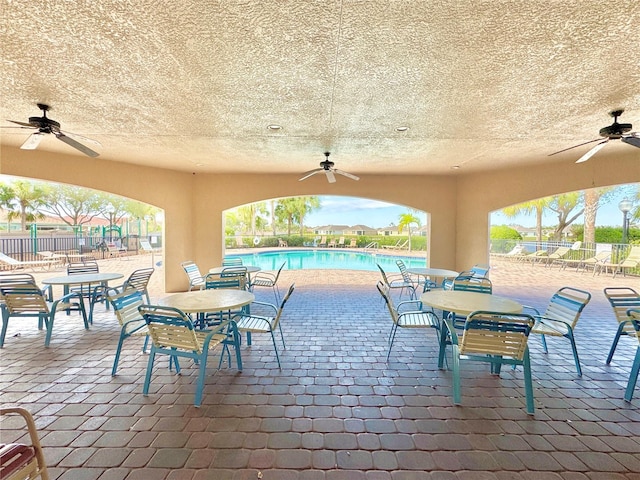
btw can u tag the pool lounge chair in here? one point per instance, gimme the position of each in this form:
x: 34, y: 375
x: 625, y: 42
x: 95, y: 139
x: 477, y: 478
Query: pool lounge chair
x: 631, y: 262
x: 594, y: 261
x: 323, y: 241
x: 15, y: 264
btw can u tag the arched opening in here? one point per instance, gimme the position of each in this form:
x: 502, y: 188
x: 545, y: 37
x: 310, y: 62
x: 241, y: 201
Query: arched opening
x: 332, y: 223
x: 587, y: 222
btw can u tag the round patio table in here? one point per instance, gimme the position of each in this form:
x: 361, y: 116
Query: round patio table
x: 463, y: 303
x: 82, y: 279
x: 250, y: 269
x: 213, y: 300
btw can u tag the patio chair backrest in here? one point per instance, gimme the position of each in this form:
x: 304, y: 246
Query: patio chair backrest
x: 567, y: 304
x: 8, y: 279
x: 276, y: 320
x: 170, y: 328
x: 383, y: 288
x: 231, y: 261
x: 621, y: 300
x: 470, y: 284
x: 230, y: 277
x: 403, y: 271
x: 82, y: 268
x: 491, y: 333
x: 139, y: 279
x: 633, y: 258
x: 480, y: 270
x: 24, y: 299
x: 193, y: 272
x: 125, y: 305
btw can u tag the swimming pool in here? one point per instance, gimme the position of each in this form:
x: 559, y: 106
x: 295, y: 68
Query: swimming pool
x: 326, y: 259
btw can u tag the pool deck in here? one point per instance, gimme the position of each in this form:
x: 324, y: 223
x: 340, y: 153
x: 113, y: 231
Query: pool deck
x: 336, y: 410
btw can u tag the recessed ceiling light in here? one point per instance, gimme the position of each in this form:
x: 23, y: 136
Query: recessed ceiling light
x: 274, y: 127
x: 199, y: 164
x: 402, y: 128
x: 455, y: 167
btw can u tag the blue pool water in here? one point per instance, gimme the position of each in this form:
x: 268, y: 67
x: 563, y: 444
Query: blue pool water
x: 327, y: 260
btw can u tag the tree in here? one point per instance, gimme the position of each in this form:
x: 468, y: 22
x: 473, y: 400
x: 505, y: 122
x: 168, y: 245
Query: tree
x: 593, y: 199
x: 538, y: 206
x: 564, y: 206
x: 286, y: 210
x: 406, y: 220
x: 73, y: 205
x: 21, y: 200
x: 306, y: 205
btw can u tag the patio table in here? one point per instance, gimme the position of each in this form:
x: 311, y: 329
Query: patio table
x: 213, y: 300
x: 250, y: 269
x: 87, y: 278
x: 427, y: 273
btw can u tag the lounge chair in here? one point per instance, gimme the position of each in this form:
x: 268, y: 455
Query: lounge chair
x: 516, y: 252
x: 353, y: 243
x: 631, y: 262
x: 331, y: 244
x: 392, y: 247
x: 594, y: 261
x: 282, y: 243
x: 15, y: 264
x: 341, y: 242
x: 535, y: 257
x: 558, y: 255
x: 323, y: 241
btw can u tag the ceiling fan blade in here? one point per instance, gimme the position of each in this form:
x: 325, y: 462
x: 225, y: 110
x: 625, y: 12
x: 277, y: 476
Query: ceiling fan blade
x: 308, y: 174
x: 346, y: 174
x: 21, y: 123
x: 575, y: 146
x: 592, y: 152
x: 82, y: 138
x: 330, y: 176
x: 75, y: 144
x: 632, y: 140
x: 32, y: 141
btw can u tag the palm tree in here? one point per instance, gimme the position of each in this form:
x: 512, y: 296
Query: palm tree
x: 593, y: 198
x: 538, y: 206
x: 306, y: 205
x: 406, y: 220
x: 21, y: 200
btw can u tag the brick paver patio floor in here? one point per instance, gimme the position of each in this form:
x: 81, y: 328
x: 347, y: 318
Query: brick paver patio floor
x: 336, y: 410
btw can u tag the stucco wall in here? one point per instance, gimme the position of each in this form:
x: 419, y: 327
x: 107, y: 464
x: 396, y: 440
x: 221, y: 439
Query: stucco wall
x: 459, y: 205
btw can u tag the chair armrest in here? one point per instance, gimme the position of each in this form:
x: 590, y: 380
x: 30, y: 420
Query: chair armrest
x: 448, y: 322
x: 264, y: 275
x: 533, y: 309
x: 65, y: 299
x: 418, y: 303
x: 265, y: 304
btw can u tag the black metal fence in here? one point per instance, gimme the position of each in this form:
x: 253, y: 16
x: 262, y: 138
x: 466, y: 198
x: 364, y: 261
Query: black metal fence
x: 26, y: 249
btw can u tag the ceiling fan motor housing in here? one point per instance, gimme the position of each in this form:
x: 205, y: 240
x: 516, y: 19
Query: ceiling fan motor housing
x: 615, y: 130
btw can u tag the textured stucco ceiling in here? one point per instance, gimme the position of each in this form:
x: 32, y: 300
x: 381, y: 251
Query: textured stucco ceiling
x: 192, y: 85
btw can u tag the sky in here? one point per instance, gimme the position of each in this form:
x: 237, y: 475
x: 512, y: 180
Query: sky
x: 352, y: 211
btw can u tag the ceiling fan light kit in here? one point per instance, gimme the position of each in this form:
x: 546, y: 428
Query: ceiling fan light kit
x: 615, y: 131
x: 327, y: 167
x: 44, y: 125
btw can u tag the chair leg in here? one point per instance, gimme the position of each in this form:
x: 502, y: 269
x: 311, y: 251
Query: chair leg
x: 392, y: 337
x: 284, y: 345
x: 544, y: 344
x: 147, y: 377
x: 575, y: 352
x: 633, y: 377
x: 457, y: 395
x: 5, y: 324
x: 201, y: 374
x: 615, y: 342
x: 443, y: 346
x: 123, y: 335
x: 275, y: 348
x: 48, y: 322
x: 236, y: 344
x: 146, y: 344
x: 528, y: 384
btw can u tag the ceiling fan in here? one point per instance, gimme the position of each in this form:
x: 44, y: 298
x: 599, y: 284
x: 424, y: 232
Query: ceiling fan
x: 614, y: 131
x: 44, y: 125
x: 326, y: 166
